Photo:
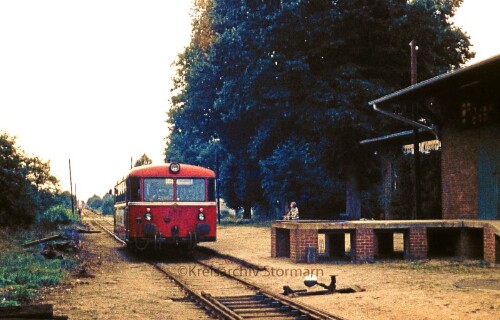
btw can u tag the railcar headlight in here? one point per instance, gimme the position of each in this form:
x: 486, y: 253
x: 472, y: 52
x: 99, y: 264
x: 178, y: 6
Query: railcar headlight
x: 148, y: 216
x: 201, y: 216
x: 175, y: 167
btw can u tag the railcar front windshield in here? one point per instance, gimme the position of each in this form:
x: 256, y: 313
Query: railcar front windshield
x: 191, y: 189
x: 158, y: 189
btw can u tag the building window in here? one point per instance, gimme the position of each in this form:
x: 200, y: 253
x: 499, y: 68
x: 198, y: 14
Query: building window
x: 473, y: 115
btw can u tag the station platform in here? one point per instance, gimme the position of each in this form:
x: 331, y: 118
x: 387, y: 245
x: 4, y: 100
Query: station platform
x: 369, y: 240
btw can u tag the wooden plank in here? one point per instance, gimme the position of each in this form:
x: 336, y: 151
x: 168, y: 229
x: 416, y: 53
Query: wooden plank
x: 80, y: 230
x: 41, y: 311
x: 32, y: 243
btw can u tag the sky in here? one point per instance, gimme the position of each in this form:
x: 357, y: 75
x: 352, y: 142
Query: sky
x: 90, y: 80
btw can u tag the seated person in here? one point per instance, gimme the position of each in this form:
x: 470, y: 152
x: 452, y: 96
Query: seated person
x: 293, y: 214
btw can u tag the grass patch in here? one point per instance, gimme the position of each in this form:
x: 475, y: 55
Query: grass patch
x: 245, y: 222
x: 454, y: 267
x: 23, y: 273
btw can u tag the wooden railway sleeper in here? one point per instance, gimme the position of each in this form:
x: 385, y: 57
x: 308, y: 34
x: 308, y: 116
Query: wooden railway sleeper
x: 230, y: 313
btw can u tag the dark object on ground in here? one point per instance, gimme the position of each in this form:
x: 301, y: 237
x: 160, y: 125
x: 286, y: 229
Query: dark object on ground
x: 80, y: 230
x: 56, y: 250
x: 37, y: 311
x: 331, y: 288
x: 83, y: 273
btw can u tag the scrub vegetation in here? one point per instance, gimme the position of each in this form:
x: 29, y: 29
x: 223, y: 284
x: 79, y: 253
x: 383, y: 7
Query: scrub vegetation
x: 24, y: 272
x: 31, y: 207
x: 27, y: 188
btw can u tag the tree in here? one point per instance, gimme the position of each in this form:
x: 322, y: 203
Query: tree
x: 95, y: 202
x: 191, y: 118
x: 283, y: 107
x: 26, y: 185
x: 107, y: 204
x: 63, y: 199
x: 143, y: 160
x: 430, y: 186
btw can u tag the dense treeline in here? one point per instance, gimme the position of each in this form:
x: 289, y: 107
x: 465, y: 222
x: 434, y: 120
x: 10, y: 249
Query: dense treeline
x: 103, y: 205
x: 27, y: 188
x: 273, y: 95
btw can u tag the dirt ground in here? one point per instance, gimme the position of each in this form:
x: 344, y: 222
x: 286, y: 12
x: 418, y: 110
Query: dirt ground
x: 128, y: 289
x: 393, y: 290
x: 113, y: 285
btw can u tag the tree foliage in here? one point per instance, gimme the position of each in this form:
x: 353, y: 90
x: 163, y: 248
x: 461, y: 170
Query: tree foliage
x: 104, y: 204
x: 26, y: 186
x: 143, y: 160
x: 56, y: 215
x: 402, y: 200
x: 95, y: 202
x: 280, y: 89
x: 107, y: 204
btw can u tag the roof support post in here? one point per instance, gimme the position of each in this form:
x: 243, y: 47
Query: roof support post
x: 416, y: 214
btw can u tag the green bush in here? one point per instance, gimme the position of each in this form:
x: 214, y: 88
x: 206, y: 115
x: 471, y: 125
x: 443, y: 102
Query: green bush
x: 57, y: 215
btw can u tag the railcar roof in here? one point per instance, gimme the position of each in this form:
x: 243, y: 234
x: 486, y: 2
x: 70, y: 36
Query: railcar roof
x: 162, y: 170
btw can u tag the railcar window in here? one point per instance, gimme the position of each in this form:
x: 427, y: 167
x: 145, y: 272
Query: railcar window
x: 134, y: 189
x: 190, y: 189
x: 120, y: 192
x: 158, y: 189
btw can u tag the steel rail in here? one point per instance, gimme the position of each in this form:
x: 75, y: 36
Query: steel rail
x: 313, y: 313
x: 225, y: 312
x: 215, y: 307
x: 110, y: 233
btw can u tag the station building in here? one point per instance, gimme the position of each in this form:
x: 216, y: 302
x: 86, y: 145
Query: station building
x: 464, y: 106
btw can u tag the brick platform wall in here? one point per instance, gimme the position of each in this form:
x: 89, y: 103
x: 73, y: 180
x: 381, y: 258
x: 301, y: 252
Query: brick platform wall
x: 459, y: 155
x: 364, y: 247
x: 489, y: 245
x: 416, y: 247
x: 300, y: 240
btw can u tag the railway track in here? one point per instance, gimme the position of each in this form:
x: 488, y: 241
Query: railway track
x: 216, y: 285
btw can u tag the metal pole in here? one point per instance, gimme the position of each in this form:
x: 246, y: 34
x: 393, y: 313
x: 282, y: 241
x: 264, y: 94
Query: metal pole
x: 416, y: 149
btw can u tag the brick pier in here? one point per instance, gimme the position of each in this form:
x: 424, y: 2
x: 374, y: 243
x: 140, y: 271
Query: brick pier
x: 364, y: 241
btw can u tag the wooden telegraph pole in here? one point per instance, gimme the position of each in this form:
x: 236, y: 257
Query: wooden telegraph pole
x: 71, y: 183
x: 217, y: 181
x: 416, y: 214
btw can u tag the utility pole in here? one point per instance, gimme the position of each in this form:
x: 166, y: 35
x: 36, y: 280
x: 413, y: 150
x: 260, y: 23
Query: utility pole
x: 71, y: 194
x: 416, y: 214
x: 76, y: 198
x: 217, y: 181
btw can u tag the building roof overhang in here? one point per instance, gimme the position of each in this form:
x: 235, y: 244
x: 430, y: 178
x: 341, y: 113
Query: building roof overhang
x: 400, y: 138
x: 445, y: 85
x: 481, y: 72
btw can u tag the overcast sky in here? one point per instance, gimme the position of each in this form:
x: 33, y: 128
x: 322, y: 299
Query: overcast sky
x: 90, y: 80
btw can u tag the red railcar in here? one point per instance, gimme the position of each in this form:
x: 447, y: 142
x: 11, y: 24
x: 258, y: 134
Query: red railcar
x: 165, y: 205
